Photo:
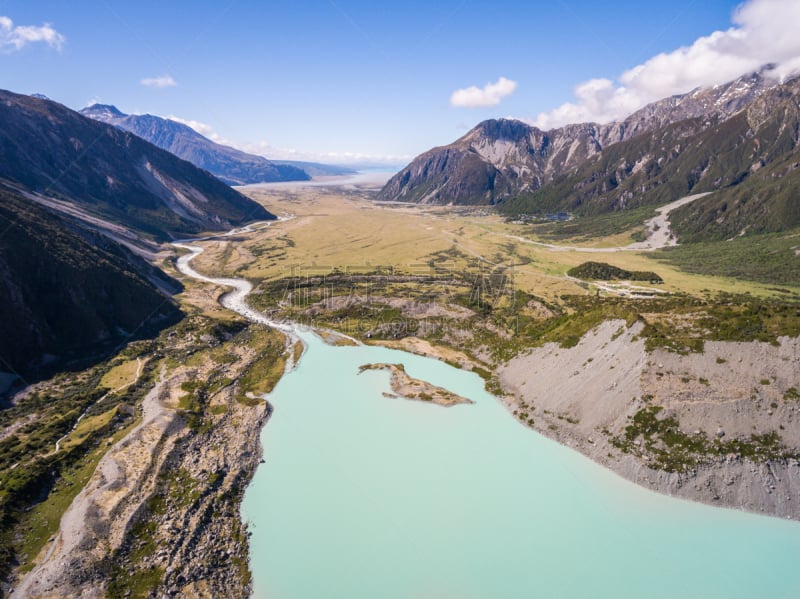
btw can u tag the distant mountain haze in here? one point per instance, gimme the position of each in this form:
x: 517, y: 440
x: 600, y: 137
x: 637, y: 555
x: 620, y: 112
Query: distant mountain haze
x: 226, y: 163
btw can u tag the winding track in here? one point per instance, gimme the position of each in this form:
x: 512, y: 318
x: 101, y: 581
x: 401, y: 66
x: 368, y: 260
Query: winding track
x: 658, y: 228
x: 125, y: 386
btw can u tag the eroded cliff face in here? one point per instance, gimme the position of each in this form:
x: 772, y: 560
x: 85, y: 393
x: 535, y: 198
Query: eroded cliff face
x: 721, y: 427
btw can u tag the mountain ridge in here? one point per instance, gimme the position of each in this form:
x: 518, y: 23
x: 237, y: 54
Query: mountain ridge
x: 230, y: 165
x: 54, y: 151
x: 749, y: 160
x: 82, y: 207
x: 502, y: 158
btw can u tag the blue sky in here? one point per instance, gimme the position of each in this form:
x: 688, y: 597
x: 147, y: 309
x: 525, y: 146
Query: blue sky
x: 329, y: 77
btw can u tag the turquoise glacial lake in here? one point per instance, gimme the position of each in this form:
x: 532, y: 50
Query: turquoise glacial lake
x: 364, y: 496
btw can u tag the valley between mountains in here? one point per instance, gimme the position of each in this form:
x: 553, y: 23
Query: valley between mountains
x: 630, y: 290
x: 664, y: 387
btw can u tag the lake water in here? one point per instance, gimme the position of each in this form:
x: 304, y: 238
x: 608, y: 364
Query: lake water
x: 367, y: 496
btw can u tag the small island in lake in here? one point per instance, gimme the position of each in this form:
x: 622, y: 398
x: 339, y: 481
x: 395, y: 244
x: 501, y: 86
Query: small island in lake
x: 410, y: 388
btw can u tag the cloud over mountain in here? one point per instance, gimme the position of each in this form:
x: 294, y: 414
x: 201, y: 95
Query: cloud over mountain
x: 763, y: 31
x: 202, y: 128
x: 490, y: 94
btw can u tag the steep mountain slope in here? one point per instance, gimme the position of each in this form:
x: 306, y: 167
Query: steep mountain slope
x: 721, y: 101
x: 767, y: 196
x: 500, y: 159
x: 495, y: 160
x: 67, y: 292
x: 750, y: 160
x: 228, y: 164
x: 55, y: 151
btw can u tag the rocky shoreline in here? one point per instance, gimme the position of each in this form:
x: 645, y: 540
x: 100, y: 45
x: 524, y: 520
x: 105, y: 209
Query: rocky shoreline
x: 770, y: 488
x: 211, y: 555
x: 716, y: 398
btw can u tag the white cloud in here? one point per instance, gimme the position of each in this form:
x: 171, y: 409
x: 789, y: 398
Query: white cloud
x: 162, y: 81
x: 200, y: 127
x: 13, y: 38
x: 763, y: 31
x: 489, y: 95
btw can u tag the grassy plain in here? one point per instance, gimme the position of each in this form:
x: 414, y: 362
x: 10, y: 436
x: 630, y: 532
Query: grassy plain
x: 339, y: 230
x: 121, y: 375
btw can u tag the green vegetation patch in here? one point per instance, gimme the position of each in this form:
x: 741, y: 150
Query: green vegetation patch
x: 263, y: 374
x: 38, y: 483
x: 791, y: 394
x: 677, y: 323
x: 658, y: 437
x: 138, y: 585
x: 589, y: 228
x: 771, y: 259
x: 606, y: 272
x: 585, y: 313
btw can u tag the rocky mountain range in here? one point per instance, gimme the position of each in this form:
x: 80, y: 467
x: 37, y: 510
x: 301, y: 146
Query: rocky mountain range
x: 228, y: 164
x: 705, y: 140
x: 54, y: 151
x: 749, y: 160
